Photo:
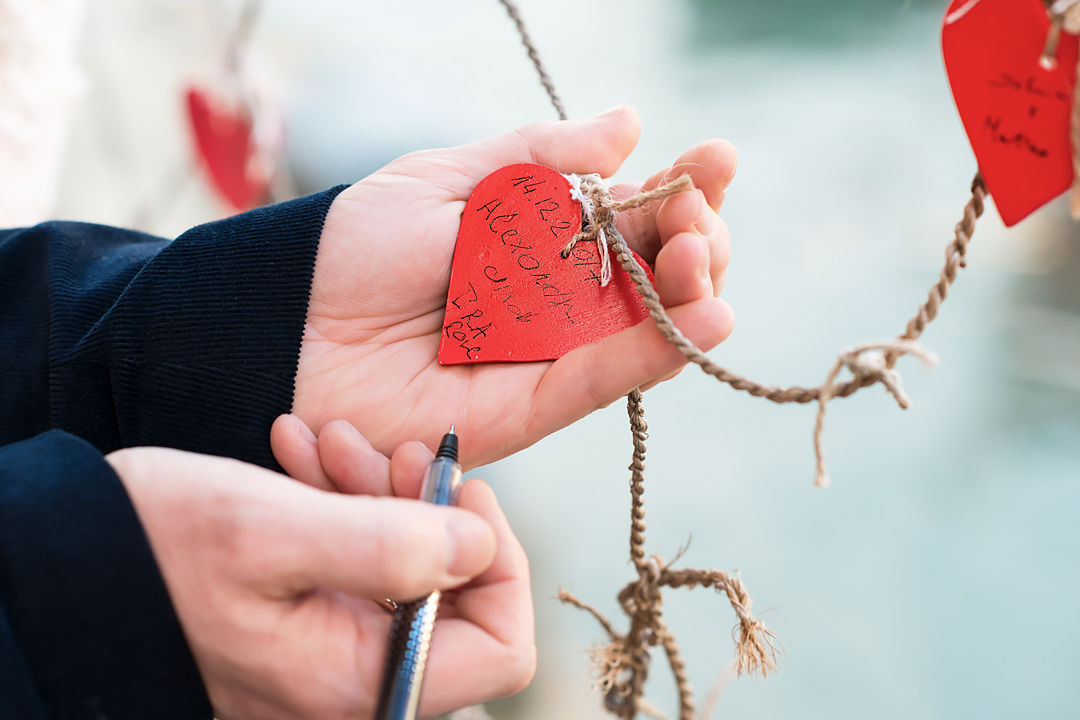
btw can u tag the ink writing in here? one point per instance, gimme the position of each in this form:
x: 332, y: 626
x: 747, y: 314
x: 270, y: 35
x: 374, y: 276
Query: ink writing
x: 1028, y: 90
x: 506, y: 224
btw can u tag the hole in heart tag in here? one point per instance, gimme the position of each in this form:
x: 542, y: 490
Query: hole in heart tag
x: 1015, y: 110
x: 513, y: 297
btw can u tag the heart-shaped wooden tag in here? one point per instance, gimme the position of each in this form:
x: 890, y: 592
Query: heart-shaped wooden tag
x: 513, y: 297
x: 223, y: 139
x: 1015, y: 111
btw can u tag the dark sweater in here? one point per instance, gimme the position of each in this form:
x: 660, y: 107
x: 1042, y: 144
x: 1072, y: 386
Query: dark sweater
x: 111, y: 338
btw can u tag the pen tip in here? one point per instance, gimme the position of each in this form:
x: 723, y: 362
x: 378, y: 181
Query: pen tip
x: 452, y: 426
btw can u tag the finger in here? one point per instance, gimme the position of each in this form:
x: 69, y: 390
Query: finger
x: 711, y: 165
x: 466, y: 665
x: 682, y: 270
x: 692, y: 263
x: 664, y: 378
x: 719, y: 242
x: 694, y: 252
x: 408, y: 465
x: 297, y: 451
x: 595, y: 375
x: 495, y: 669
x: 499, y: 599
x: 599, y: 144
x: 492, y: 630
x: 369, y: 547
x: 350, y: 462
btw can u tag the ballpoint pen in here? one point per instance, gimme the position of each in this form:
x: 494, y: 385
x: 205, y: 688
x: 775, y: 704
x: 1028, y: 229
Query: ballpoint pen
x: 410, y: 633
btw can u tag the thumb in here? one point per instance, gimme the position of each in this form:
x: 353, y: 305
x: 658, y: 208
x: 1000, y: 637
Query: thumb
x: 598, y: 144
x: 378, y: 547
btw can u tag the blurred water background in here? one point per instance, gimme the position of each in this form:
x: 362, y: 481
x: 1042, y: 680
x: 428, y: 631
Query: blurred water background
x: 937, y: 577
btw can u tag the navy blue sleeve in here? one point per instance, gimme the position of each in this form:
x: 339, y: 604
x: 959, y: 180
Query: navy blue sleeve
x: 124, y: 339
x: 87, y: 630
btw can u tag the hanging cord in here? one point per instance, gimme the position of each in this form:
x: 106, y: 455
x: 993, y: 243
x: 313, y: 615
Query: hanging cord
x: 605, y: 209
x: 1069, y: 10
x: 526, y: 40
x: 1065, y: 15
x: 624, y: 662
x: 603, y: 219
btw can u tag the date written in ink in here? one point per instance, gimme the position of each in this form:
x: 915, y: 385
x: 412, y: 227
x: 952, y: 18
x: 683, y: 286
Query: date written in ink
x: 524, y: 257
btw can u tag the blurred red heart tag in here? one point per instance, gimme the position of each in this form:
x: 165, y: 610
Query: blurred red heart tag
x: 224, y: 142
x: 513, y: 297
x: 1015, y: 111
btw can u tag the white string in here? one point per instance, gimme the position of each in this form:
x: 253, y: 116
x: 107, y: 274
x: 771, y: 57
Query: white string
x: 588, y: 213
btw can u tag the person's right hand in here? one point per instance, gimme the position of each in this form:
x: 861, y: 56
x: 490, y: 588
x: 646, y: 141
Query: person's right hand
x: 274, y: 583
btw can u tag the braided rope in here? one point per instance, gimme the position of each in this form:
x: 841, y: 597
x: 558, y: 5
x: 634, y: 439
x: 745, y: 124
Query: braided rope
x: 623, y: 663
x: 530, y: 48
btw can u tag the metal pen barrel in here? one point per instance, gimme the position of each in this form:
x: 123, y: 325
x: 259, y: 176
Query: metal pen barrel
x: 410, y: 633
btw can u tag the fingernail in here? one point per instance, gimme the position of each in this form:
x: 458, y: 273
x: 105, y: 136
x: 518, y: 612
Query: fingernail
x: 611, y: 111
x: 470, y: 537
x: 356, y: 434
x: 304, y: 431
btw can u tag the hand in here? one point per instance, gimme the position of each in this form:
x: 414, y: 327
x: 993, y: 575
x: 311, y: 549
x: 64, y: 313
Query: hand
x: 383, y: 270
x: 274, y: 582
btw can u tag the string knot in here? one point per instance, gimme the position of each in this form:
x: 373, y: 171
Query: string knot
x: 868, y: 363
x: 594, y: 194
x: 642, y: 601
x: 598, y: 210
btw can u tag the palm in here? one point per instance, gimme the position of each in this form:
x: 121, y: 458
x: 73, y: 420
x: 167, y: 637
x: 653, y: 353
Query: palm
x: 374, y: 322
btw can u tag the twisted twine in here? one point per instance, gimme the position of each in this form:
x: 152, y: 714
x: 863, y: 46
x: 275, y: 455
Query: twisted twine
x: 1065, y: 14
x: 865, y: 361
x: 1072, y: 24
x: 530, y: 49
x: 623, y: 662
x: 602, y: 224
x: 1074, y: 134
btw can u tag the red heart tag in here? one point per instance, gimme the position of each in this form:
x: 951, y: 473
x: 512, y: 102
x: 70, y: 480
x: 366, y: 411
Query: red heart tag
x: 1015, y: 112
x: 224, y: 142
x: 513, y: 297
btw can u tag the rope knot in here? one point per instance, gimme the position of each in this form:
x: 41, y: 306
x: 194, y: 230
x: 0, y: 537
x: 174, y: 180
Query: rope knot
x: 641, y: 598
x: 868, y: 363
x: 598, y: 210
x: 870, y: 366
x: 594, y: 194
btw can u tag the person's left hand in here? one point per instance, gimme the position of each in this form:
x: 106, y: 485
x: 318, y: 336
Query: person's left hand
x: 375, y: 316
